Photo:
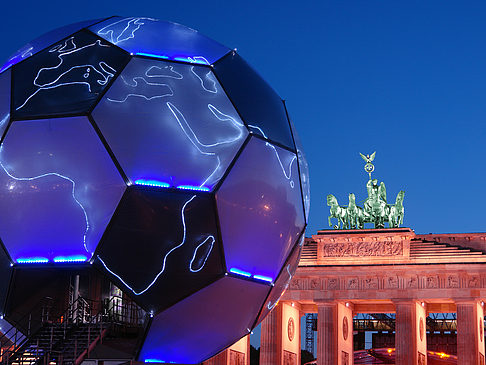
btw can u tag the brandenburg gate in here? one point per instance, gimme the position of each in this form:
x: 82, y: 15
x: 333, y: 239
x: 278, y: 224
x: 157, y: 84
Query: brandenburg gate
x: 345, y: 272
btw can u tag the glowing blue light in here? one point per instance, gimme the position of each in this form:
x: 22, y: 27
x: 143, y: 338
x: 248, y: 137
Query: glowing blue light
x: 7, y: 65
x: 192, y: 60
x: 154, y: 56
x: 154, y: 361
x: 155, y: 183
x: 240, y: 272
x: 197, y: 59
x: 32, y: 260
x: 264, y: 278
x: 77, y: 258
x: 191, y: 187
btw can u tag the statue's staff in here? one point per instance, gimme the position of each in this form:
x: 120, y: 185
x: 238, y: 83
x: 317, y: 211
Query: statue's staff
x: 369, y: 167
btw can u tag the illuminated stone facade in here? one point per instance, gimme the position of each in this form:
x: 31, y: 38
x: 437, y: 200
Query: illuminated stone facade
x: 342, y: 273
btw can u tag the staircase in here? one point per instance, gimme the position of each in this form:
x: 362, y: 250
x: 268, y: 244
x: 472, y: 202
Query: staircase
x: 69, y: 339
x: 421, y: 248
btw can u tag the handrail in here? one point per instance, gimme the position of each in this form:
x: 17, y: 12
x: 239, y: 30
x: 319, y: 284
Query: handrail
x: 116, y: 310
x: 17, y: 328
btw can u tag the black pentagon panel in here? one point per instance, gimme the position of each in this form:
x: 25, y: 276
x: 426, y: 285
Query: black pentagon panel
x: 5, y: 82
x: 258, y: 104
x: 67, y: 78
x: 161, y: 245
x: 5, y: 275
x: 283, y: 280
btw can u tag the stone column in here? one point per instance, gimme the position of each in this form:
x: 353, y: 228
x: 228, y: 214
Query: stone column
x: 410, y: 333
x: 470, y: 332
x: 236, y: 354
x: 280, y: 336
x: 334, y: 334
x: 271, y: 337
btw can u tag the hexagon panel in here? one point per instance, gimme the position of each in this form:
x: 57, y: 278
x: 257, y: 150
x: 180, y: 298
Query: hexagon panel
x: 227, y: 315
x: 170, y: 123
x: 44, y: 41
x: 162, y: 245
x: 61, y: 190
x: 161, y: 39
x: 66, y: 78
x: 260, y: 209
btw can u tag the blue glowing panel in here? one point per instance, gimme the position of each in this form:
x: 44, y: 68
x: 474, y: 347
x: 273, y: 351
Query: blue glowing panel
x: 59, y: 189
x: 162, y: 245
x: 260, y: 209
x: 258, y: 104
x: 160, y: 39
x: 204, y: 323
x: 44, y: 41
x: 170, y: 124
x: 304, y: 172
x: 67, y: 77
x: 283, y: 280
x: 4, y: 100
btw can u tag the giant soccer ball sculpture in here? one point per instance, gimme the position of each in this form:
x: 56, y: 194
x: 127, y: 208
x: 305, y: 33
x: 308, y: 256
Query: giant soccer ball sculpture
x: 148, y: 152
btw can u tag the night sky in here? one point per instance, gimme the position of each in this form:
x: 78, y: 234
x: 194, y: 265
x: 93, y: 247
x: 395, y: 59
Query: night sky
x: 405, y: 79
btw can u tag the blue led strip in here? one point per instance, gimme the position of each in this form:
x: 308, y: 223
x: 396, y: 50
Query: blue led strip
x: 240, y: 272
x: 155, y: 183
x: 77, y: 258
x: 32, y: 260
x: 152, y: 55
x: 263, y: 278
x: 191, y: 187
x: 162, y: 184
x: 248, y: 275
x: 157, y: 361
x: 195, y: 59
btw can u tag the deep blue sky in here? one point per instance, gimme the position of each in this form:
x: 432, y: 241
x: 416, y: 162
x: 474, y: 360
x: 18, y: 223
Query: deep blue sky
x: 406, y: 79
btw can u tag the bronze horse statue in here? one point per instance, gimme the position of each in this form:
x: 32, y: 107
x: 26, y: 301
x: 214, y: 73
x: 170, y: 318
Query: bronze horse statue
x: 396, y: 212
x: 337, y: 211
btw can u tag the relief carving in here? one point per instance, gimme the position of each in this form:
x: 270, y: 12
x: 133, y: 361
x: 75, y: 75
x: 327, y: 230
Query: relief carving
x: 362, y: 249
x: 371, y: 283
x: 421, y: 359
x: 315, y: 284
x: 391, y: 282
x: 344, y: 358
x: 352, y: 283
x: 473, y: 282
x: 452, y: 281
x: 296, y: 284
x: 411, y: 282
x: 432, y: 282
x: 333, y: 284
x: 289, y: 358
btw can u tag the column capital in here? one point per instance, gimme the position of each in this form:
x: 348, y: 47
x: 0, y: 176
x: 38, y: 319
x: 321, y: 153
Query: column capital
x: 325, y: 302
x: 406, y: 301
x: 467, y: 300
